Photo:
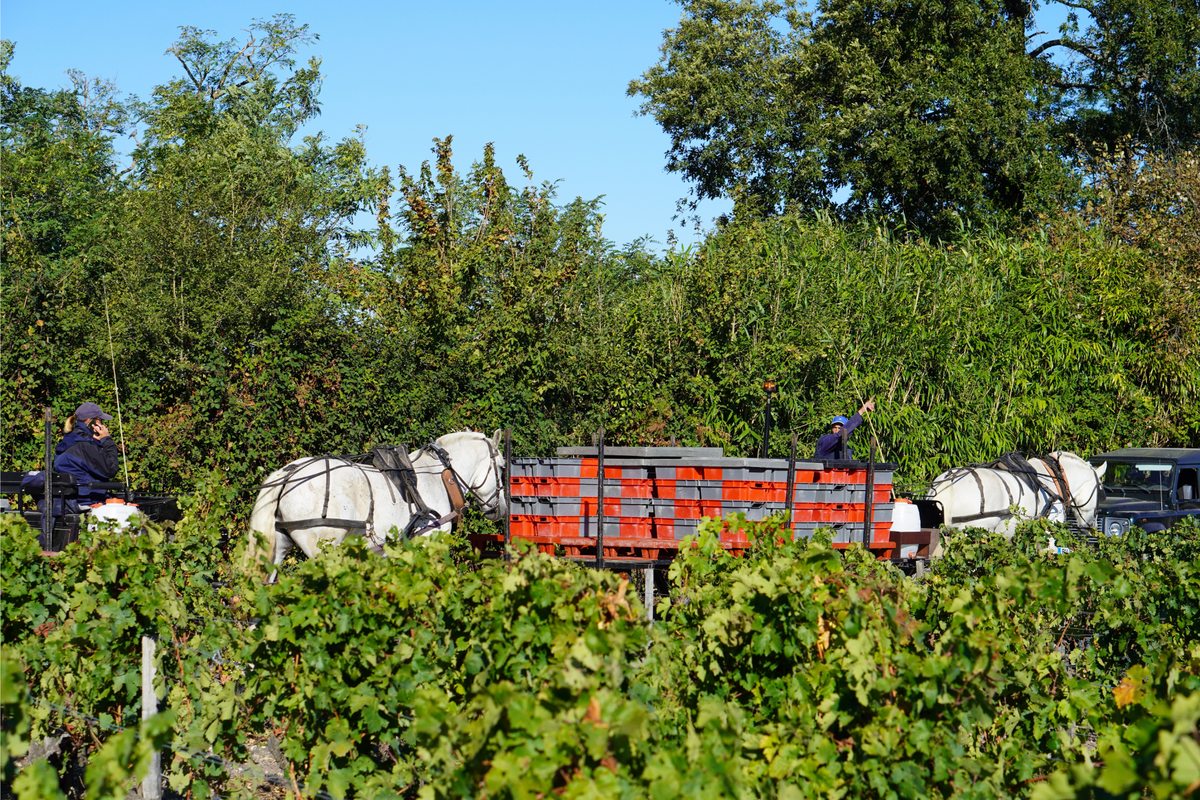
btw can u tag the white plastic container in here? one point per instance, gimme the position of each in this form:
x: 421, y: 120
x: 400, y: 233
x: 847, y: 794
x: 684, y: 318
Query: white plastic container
x: 906, y: 519
x: 113, y: 511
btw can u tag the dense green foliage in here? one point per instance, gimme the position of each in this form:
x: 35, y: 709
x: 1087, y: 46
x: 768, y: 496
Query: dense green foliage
x: 250, y: 319
x: 934, y: 112
x: 797, y: 671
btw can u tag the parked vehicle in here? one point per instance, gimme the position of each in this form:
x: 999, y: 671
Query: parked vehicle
x: 1148, y: 487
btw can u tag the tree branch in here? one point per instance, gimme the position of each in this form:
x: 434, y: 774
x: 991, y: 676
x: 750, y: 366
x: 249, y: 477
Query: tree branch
x: 188, y: 70
x: 216, y: 91
x: 1067, y: 43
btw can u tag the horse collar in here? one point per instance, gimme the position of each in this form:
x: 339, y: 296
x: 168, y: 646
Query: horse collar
x: 458, y: 489
x: 454, y: 492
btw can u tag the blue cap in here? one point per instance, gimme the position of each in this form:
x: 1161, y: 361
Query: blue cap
x: 840, y: 421
x: 91, y: 411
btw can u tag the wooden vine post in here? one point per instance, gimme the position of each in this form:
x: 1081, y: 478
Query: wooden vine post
x: 48, y: 486
x: 152, y: 784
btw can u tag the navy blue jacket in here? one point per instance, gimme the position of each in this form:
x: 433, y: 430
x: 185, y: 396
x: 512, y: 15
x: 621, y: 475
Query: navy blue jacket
x: 79, y: 454
x: 829, y: 446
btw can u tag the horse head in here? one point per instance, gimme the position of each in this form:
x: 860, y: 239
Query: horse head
x: 478, y: 461
x: 1084, y: 483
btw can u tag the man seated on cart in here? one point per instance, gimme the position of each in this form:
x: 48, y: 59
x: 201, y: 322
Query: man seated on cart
x: 833, y: 446
x: 87, y: 452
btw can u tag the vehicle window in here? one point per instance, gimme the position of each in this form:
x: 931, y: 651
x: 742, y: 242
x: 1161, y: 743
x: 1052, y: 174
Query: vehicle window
x: 1188, y: 486
x: 1140, y: 476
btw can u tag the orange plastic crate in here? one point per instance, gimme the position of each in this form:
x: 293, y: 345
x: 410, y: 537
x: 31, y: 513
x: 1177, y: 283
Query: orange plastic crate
x: 631, y: 488
x: 526, y: 526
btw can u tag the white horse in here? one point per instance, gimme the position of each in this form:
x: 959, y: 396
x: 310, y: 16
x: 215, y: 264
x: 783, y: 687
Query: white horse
x: 999, y: 495
x: 327, y: 498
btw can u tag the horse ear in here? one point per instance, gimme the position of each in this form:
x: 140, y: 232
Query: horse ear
x: 1101, y: 469
x: 496, y: 437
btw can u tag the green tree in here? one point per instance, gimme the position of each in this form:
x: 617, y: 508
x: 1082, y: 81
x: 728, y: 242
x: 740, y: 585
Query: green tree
x: 228, y: 225
x: 57, y: 182
x: 1131, y: 74
x: 935, y: 111
x: 231, y: 279
x: 223, y: 242
x: 489, y: 288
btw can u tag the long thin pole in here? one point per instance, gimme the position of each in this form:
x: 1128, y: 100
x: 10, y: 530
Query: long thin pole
x: 861, y: 397
x: 764, y: 451
x: 48, y: 485
x: 788, y: 505
x: 600, y: 499
x: 117, y: 392
x: 152, y: 785
x: 507, y: 489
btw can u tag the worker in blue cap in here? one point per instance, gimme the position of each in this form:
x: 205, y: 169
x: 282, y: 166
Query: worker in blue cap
x: 833, y: 445
x: 88, y: 452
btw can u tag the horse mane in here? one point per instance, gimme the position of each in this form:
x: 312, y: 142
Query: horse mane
x: 458, y: 436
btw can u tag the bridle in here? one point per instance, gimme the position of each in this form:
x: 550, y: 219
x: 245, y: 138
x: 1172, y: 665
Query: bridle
x: 490, y: 509
x: 1059, y: 476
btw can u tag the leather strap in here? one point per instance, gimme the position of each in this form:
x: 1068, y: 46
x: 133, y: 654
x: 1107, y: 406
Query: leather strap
x: 454, y: 492
x: 452, y: 518
x: 979, y: 483
x: 300, y: 524
x: 989, y: 515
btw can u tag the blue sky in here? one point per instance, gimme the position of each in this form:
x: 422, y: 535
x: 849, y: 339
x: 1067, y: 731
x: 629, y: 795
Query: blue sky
x: 543, y: 79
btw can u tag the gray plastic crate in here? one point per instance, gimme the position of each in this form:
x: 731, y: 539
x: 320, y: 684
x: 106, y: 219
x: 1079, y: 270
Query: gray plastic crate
x: 587, y: 528
x: 685, y: 527
x: 586, y: 487
x: 636, y: 468
x: 698, y: 490
x: 643, y: 452
x: 664, y: 509
x: 545, y: 467
x: 843, y: 532
x: 830, y: 493
x: 572, y: 506
x: 545, y: 506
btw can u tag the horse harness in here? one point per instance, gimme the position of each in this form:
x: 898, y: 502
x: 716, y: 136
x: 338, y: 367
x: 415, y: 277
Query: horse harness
x: 1069, y: 502
x: 1027, y: 475
x: 395, y: 465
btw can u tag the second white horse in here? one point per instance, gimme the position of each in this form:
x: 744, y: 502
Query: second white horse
x: 1059, y: 486
x: 327, y: 498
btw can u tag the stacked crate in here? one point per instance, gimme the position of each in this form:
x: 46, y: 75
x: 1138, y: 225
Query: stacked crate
x: 654, y: 497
